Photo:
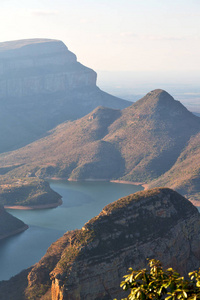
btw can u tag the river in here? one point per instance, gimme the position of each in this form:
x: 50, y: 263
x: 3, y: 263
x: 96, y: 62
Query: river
x: 81, y: 202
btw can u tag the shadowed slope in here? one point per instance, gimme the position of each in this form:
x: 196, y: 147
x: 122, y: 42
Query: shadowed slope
x: 41, y: 86
x: 151, y: 134
x: 9, y: 225
x: 74, y: 149
x: 139, y: 143
x: 184, y: 176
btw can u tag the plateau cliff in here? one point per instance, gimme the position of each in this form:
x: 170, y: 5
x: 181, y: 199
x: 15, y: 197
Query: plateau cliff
x: 139, y: 143
x: 89, y: 263
x: 41, y: 86
x: 9, y: 225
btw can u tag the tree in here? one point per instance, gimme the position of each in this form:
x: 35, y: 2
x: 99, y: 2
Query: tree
x: 156, y: 283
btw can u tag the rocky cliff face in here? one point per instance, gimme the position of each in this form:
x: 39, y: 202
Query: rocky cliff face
x: 30, y: 67
x: 41, y: 86
x: 89, y: 263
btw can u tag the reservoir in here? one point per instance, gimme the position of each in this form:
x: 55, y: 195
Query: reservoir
x: 81, y: 202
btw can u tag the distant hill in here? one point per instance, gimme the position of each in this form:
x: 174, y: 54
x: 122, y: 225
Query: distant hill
x: 41, y: 86
x: 9, y: 225
x: 89, y: 263
x: 140, y: 143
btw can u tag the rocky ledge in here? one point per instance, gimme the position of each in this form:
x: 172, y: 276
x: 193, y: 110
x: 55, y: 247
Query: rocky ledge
x: 89, y: 264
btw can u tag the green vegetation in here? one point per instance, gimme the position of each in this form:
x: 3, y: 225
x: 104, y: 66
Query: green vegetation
x: 157, y: 283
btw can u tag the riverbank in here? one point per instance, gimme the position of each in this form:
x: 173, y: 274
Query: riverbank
x: 54, y: 205
x: 35, y: 207
x: 2, y: 237
x: 143, y: 184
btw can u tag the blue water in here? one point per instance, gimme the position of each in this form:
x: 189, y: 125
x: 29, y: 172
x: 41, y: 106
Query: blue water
x: 81, y: 202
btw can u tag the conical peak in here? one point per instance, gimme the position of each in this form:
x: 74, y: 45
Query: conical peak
x: 158, y: 98
x: 158, y: 104
x: 159, y: 95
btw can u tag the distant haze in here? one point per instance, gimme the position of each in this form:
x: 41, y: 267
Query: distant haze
x: 129, y: 35
x: 134, y: 45
x: 132, y: 85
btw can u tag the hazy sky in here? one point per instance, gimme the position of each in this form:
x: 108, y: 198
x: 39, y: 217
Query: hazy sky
x: 112, y: 34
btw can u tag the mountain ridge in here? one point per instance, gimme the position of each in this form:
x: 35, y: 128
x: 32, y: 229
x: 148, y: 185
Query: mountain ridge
x: 139, y: 143
x: 42, y: 85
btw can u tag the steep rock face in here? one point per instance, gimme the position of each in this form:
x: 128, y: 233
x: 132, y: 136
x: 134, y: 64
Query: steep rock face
x: 9, y: 225
x: 30, y: 67
x: 89, y: 263
x: 41, y: 86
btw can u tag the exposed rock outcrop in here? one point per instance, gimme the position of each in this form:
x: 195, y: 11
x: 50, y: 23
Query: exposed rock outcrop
x: 89, y: 263
x: 41, y: 86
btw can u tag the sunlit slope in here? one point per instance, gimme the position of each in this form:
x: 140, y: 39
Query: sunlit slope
x: 139, y: 143
x: 42, y: 85
x: 151, y: 134
x: 73, y: 150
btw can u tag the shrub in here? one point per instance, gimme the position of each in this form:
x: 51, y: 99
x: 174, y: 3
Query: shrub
x: 156, y: 283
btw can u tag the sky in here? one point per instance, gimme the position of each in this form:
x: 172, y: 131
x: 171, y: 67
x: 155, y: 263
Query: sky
x: 152, y: 36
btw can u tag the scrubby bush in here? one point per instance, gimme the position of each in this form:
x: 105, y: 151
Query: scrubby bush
x: 157, y: 283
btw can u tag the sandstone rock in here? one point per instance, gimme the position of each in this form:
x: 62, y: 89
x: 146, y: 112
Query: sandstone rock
x: 89, y: 264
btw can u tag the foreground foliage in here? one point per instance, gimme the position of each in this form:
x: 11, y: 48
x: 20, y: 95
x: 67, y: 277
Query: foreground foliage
x: 156, y: 283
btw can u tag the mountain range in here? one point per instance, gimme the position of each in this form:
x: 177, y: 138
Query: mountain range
x: 150, y: 141
x: 56, y: 123
x: 41, y: 86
